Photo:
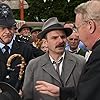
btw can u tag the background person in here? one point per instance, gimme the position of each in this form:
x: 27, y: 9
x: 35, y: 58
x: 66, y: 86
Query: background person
x: 80, y: 45
x: 26, y: 37
x: 73, y: 42
x: 24, y: 33
x: 35, y: 38
x: 43, y: 45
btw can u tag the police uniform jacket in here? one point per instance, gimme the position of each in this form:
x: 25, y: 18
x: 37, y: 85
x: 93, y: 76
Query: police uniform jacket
x: 11, y: 76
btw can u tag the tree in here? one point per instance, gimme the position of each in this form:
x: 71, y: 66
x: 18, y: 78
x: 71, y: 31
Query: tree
x: 39, y: 11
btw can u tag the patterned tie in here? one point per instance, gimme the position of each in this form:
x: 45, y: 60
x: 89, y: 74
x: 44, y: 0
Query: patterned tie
x: 57, y: 64
x: 6, y: 53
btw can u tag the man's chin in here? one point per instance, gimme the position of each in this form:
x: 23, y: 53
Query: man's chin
x: 7, y: 41
x: 61, y: 50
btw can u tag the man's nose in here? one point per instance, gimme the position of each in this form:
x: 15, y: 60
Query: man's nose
x: 73, y: 40
x: 60, y: 39
x: 7, y: 30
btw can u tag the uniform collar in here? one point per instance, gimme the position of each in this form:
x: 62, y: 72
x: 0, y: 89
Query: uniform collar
x: 10, y: 44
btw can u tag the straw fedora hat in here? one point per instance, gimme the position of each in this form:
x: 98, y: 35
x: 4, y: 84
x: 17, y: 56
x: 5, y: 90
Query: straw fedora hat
x: 53, y: 24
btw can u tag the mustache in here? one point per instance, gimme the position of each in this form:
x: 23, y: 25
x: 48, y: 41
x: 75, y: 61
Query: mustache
x: 61, y: 45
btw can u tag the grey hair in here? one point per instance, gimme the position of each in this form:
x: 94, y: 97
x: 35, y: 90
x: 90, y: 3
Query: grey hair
x: 89, y: 10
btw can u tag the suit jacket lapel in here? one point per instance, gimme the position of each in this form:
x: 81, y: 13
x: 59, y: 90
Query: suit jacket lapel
x: 68, y: 67
x: 49, y: 68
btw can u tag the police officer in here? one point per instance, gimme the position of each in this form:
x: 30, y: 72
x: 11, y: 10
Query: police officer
x: 9, y: 46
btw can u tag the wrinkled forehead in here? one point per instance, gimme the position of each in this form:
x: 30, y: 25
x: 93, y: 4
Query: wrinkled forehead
x: 73, y: 37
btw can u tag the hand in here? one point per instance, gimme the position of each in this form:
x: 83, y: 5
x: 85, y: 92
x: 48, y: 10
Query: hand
x: 20, y: 92
x: 47, y: 88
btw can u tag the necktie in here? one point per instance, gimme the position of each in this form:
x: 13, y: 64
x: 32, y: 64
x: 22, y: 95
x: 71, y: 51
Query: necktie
x: 6, y: 53
x: 57, y: 64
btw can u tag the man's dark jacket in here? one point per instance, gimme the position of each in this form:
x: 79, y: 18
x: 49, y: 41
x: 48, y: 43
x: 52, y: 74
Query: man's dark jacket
x: 26, y: 51
x: 89, y: 83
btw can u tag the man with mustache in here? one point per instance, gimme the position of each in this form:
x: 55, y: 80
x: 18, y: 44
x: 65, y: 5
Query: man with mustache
x: 46, y: 66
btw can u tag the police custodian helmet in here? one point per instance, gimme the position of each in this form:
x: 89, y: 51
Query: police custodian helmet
x: 6, y: 16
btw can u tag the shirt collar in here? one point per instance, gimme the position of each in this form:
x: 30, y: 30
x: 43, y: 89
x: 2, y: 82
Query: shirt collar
x: 74, y: 51
x: 62, y: 56
x: 1, y: 45
x: 10, y: 44
x: 14, y: 37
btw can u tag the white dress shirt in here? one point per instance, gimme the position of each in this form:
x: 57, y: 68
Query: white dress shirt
x: 61, y: 64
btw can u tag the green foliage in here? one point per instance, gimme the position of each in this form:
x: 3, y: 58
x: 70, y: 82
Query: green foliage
x: 39, y: 11
x: 16, y: 14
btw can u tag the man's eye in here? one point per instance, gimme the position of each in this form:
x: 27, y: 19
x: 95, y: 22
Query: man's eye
x: 70, y: 39
x: 54, y: 37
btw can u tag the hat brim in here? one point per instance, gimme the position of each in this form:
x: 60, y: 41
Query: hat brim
x: 5, y: 87
x: 23, y: 28
x: 35, y: 30
x: 68, y: 31
x: 7, y: 22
